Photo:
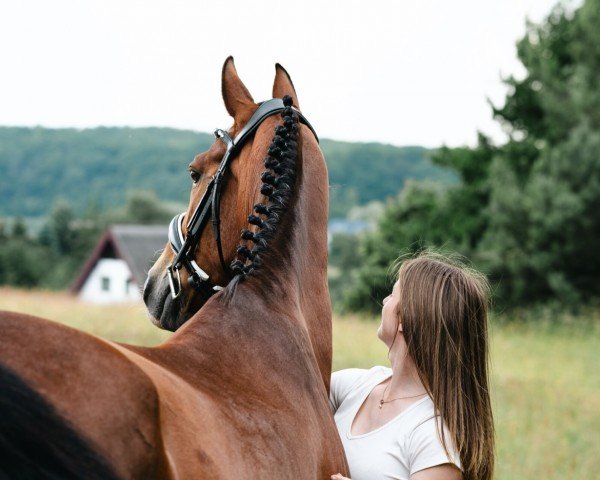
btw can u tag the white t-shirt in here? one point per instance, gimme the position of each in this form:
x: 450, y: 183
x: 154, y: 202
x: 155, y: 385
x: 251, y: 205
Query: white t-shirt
x: 404, y: 445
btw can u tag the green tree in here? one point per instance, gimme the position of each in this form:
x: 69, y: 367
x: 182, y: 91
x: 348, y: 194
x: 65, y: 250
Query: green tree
x: 60, y: 228
x: 19, y: 229
x: 544, y: 237
x: 145, y: 207
x: 416, y: 219
x: 525, y: 211
x: 22, y: 261
x: 466, y: 202
x: 542, y: 241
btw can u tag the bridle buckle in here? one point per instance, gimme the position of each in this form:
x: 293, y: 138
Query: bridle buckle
x: 175, y: 292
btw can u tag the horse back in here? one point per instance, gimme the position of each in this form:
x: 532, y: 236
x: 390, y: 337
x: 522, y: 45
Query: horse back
x: 80, y: 383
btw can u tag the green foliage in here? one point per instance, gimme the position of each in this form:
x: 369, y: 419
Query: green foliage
x: 562, y: 59
x: 52, y: 258
x: 415, y: 220
x: 425, y: 214
x: 96, y: 168
x: 543, y: 238
x: 144, y: 207
x: 93, y: 168
x: 363, y: 172
x: 343, y: 256
x: 58, y: 232
x: 22, y: 263
x: 527, y: 211
x: 19, y: 229
x: 463, y: 208
x: 542, y: 244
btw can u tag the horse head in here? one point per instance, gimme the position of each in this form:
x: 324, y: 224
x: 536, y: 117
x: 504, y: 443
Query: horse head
x: 242, y: 183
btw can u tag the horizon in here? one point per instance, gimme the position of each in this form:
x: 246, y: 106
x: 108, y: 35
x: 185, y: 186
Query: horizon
x: 405, y: 74
x: 189, y: 130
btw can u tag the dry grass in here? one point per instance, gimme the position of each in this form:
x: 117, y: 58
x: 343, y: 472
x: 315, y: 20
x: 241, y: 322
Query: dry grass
x: 545, y: 379
x: 123, y: 323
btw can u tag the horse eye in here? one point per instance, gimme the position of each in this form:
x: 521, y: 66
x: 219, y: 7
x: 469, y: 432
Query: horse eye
x: 195, y: 176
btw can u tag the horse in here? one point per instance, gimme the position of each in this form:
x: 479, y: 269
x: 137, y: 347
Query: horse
x: 240, y: 389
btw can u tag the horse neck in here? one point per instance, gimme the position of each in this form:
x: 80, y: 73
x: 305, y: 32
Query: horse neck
x: 294, y: 274
x: 286, y: 299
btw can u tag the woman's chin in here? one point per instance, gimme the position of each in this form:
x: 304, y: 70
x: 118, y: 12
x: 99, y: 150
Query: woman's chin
x: 380, y: 333
x: 385, y: 337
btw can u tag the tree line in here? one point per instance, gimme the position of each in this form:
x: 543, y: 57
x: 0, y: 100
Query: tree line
x: 526, y: 212
x: 95, y: 168
x: 52, y: 256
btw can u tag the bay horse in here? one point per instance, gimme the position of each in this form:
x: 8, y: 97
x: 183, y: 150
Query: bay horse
x: 240, y: 389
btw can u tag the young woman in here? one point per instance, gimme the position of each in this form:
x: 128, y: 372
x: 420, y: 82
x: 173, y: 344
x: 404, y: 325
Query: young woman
x: 428, y: 417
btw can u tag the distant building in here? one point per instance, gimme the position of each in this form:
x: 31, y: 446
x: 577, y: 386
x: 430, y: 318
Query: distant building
x: 344, y: 226
x: 348, y: 227
x: 116, y: 270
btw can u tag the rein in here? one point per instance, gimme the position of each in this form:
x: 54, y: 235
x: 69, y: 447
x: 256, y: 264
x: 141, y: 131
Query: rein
x: 209, y: 206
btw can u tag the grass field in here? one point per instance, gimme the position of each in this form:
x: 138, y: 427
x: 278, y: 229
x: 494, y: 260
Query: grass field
x: 546, y: 378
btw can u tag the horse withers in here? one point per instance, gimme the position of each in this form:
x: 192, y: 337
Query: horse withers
x: 240, y: 389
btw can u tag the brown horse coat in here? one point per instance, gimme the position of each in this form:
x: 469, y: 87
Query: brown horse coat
x: 240, y: 389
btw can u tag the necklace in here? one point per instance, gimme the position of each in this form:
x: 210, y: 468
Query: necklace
x: 382, y: 401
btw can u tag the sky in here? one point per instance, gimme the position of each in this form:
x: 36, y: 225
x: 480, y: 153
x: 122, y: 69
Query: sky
x: 400, y: 72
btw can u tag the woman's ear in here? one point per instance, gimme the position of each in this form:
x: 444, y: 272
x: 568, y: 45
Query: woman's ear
x: 400, y: 327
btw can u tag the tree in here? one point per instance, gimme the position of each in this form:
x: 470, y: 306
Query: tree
x: 22, y: 261
x: 145, y: 207
x: 544, y: 236
x: 415, y: 220
x: 60, y: 228
x: 19, y: 229
x: 541, y: 244
x: 526, y: 211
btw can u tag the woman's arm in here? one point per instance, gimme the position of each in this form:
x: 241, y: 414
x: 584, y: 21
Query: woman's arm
x: 441, y: 472
x: 447, y: 471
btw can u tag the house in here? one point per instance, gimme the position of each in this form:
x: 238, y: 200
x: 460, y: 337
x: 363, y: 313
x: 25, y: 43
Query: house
x: 116, y: 270
x: 345, y: 226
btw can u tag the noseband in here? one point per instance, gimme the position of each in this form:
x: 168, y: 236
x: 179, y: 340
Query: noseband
x: 209, y: 206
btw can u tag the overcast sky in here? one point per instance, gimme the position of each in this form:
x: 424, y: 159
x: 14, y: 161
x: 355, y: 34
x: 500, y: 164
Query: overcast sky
x: 400, y: 72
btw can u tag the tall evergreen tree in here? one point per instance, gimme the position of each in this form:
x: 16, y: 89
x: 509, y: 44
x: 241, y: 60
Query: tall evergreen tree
x: 525, y: 211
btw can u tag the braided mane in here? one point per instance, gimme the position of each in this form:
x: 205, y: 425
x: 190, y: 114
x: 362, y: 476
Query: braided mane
x: 278, y: 186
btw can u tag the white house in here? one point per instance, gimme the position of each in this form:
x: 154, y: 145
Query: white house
x: 116, y: 270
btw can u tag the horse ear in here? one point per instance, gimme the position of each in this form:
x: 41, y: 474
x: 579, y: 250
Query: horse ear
x: 236, y: 96
x: 283, y: 85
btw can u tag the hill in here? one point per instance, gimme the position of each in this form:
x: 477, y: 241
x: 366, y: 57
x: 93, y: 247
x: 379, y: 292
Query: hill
x: 97, y: 167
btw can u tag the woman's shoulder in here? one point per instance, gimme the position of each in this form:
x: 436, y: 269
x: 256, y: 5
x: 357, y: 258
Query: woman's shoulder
x: 344, y: 382
x: 425, y: 445
x: 355, y: 377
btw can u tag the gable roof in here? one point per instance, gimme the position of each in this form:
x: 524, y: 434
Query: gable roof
x: 137, y: 245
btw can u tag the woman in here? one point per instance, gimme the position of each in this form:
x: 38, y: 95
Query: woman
x: 428, y: 417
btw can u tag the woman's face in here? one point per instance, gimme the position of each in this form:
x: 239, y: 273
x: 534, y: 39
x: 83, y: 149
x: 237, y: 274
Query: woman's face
x: 389, y: 317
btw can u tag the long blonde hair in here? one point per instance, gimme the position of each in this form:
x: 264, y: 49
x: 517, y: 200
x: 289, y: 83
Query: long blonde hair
x: 443, y: 309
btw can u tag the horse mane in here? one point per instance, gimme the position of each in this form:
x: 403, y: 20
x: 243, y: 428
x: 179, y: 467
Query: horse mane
x: 279, y: 182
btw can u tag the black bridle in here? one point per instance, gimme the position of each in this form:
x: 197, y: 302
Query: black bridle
x: 209, y: 207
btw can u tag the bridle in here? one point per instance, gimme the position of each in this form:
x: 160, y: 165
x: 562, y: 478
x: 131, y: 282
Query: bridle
x: 209, y: 208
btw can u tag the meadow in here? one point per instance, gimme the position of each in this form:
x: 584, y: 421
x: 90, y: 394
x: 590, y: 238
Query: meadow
x: 545, y: 376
